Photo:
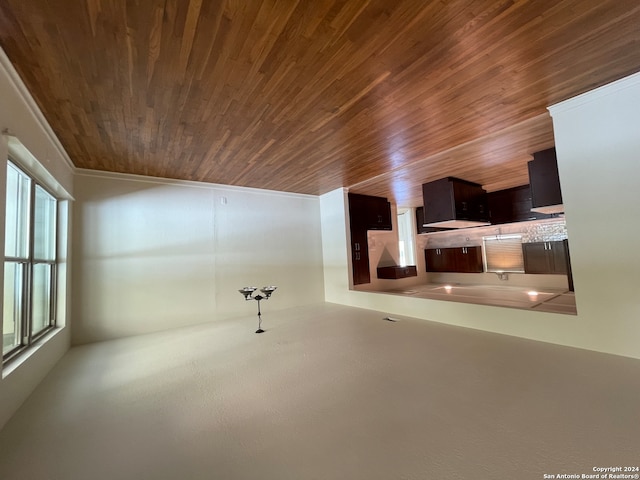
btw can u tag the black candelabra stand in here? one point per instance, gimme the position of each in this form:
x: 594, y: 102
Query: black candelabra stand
x: 247, y: 292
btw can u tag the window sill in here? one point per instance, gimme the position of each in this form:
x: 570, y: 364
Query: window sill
x: 14, y: 363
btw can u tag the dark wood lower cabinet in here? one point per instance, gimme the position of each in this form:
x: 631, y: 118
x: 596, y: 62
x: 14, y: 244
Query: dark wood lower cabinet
x: 457, y: 259
x: 469, y: 260
x: 548, y: 258
x: 545, y: 257
x: 439, y: 259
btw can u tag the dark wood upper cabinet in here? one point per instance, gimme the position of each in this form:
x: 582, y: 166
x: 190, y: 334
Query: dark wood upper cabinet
x: 544, y: 180
x: 420, y: 228
x: 380, y: 215
x: 451, y: 199
x: 512, y: 205
x: 369, y: 212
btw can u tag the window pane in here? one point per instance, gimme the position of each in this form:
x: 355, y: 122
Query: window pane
x: 44, y: 227
x: 41, y: 297
x: 12, y: 311
x: 406, y: 247
x: 17, y: 213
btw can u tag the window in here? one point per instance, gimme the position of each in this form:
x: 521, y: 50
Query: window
x: 29, y: 262
x: 503, y: 253
x: 406, y: 246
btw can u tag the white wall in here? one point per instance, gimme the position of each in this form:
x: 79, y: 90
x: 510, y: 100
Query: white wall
x: 151, y: 254
x: 598, y: 146
x: 21, y: 118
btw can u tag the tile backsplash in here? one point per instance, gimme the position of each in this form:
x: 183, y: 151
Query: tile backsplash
x: 544, y: 232
x: 547, y: 230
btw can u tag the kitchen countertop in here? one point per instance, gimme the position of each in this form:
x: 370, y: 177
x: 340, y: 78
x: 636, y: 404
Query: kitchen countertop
x: 542, y: 300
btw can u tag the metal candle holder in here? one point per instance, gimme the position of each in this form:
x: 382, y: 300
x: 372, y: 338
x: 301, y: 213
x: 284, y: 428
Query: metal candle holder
x: 247, y: 292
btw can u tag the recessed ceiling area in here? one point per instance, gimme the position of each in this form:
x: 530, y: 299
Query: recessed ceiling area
x: 378, y: 96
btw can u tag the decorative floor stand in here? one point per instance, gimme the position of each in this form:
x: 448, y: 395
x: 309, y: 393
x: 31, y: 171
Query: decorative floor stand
x: 247, y: 292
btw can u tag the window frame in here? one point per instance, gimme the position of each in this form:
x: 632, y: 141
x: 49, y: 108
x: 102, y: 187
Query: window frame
x: 27, y: 337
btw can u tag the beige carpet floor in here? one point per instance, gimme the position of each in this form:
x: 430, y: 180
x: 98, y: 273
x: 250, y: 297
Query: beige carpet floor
x: 327, y: 392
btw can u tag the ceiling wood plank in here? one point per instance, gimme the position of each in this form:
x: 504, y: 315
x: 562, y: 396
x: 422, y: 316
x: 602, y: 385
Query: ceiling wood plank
x: 375, y: 95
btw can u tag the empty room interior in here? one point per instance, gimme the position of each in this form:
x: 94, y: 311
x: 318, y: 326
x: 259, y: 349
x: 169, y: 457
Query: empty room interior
x: 320, y: 240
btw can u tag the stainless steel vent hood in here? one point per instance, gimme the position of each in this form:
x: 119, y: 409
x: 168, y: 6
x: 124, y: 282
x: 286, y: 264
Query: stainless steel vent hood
x: 454, y: 203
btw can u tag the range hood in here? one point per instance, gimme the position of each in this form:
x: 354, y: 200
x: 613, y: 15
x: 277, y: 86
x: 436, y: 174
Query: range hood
x: 454, y: 203
x: 544, y: 180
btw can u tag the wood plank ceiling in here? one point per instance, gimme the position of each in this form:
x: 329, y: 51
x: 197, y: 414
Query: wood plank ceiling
x: 308, y: 96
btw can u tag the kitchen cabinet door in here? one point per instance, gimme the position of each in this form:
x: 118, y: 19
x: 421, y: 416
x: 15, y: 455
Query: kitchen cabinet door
x: 369, y: 212
x: 455, y: 259
x: 558, y: 252
x: 365, y: 213
x: 450, y: 199
x: 440, y: 259
x: 546, y: 257
x: 378, y: 214
x: 536, y: 258
x: 544, y: 180
x: 512, y: 205
x: 360, y: 257
x: 469, y: 259
x: 420, y: 228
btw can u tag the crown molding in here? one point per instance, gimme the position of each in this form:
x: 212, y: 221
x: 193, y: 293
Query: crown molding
x: 596, y: 94
x: 85, y: 172
x: 31, y: 105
